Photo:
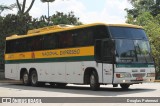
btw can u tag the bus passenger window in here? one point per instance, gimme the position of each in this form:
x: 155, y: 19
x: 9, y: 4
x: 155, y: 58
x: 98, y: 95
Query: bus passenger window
x: 36, y: 43
x: 50, y: 42
x: 83, y: 37
x: 100, y: 32
x: 66, y: 40
x: 98, y: 50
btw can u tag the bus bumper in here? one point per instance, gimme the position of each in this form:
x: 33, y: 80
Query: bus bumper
x: 126, y: 79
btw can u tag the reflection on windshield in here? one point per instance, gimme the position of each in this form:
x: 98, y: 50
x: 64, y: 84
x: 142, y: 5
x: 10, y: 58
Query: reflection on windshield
x: 133, y: 51
x: 128, y: 33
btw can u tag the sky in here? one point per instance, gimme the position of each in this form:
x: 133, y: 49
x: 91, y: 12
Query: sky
x: 88, y: 11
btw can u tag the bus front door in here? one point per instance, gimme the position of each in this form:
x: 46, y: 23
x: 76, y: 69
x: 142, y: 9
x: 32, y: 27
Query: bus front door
x: 104, y: 53
x: 107, y: 60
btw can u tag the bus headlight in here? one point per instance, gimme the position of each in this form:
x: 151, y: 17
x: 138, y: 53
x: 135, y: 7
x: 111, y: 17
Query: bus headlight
x: 123, y: 75
x: 150, y: 74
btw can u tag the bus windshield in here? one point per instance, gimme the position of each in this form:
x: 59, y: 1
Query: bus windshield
x: 127, y: 33
x: 133, y: 51
x: 132, y: 45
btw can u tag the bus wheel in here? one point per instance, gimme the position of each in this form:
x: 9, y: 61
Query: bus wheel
x: 34, y: 78
x: 124, y: 86
x: 25, y: 79
x: 94, y: 85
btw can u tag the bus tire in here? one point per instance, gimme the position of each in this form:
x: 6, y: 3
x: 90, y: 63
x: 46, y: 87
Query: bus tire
x: 124, y: 86
x: 94, y: 85
x: 25, y: 78
x: 34, y: 79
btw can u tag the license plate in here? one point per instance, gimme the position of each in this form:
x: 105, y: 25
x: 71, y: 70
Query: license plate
x: 139, y: 78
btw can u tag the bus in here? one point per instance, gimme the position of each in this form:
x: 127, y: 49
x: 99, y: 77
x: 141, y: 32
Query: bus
x: 91, y: 54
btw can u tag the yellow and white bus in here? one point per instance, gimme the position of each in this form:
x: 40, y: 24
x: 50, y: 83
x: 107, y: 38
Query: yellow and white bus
x: 92, y: 54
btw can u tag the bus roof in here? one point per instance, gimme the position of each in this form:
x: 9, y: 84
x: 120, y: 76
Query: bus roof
x: 60, y: 28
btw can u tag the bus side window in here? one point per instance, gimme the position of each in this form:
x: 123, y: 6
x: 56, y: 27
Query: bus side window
x: 49, y: 42
x: 100, y: 32
x: 39, y: 43
x: 98, y: 51
x: 83, y: 37
x: 66, y: 39
x: 69, y: 39
x: 21, y: 45
x: 34, y: 43
x: 78, y: 37
x: 29, y: 44
x: 89, y: 33
x: 9, y: 47
x: 16, y: 46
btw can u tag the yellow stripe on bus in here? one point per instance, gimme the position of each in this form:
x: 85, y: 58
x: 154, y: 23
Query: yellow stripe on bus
x: 70, y: 52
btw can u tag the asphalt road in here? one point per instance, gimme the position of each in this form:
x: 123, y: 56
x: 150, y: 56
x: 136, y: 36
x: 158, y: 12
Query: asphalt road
x: 80, y: 91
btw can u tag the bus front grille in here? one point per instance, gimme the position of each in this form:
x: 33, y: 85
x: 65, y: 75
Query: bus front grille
x: 139, y: 75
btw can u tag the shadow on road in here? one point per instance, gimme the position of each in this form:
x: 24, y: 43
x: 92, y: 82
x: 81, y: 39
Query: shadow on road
x: 76, y: 89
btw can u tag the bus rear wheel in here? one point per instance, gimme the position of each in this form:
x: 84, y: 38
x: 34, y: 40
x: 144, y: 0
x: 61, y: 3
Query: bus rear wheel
x: 94, y: 85
x: 124, y: 86
x: 25, y: 79
x: 34, y: 78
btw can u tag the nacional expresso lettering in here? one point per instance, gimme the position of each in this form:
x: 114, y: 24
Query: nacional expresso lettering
x: 61, y: 52
x: 67, y: 52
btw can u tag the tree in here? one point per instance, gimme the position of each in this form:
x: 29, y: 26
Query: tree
x: 61, y: 18
x: 22, y: 8
x: 23, y: 16
x: 156, y: 8
x: 140, y: 6
x: 4, y: 7
x: 56, y: 19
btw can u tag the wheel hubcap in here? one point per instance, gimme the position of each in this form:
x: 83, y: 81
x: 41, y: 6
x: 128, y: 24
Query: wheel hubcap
x: 92, y: 80
x: 34, y: 78
x: 25, y: 78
